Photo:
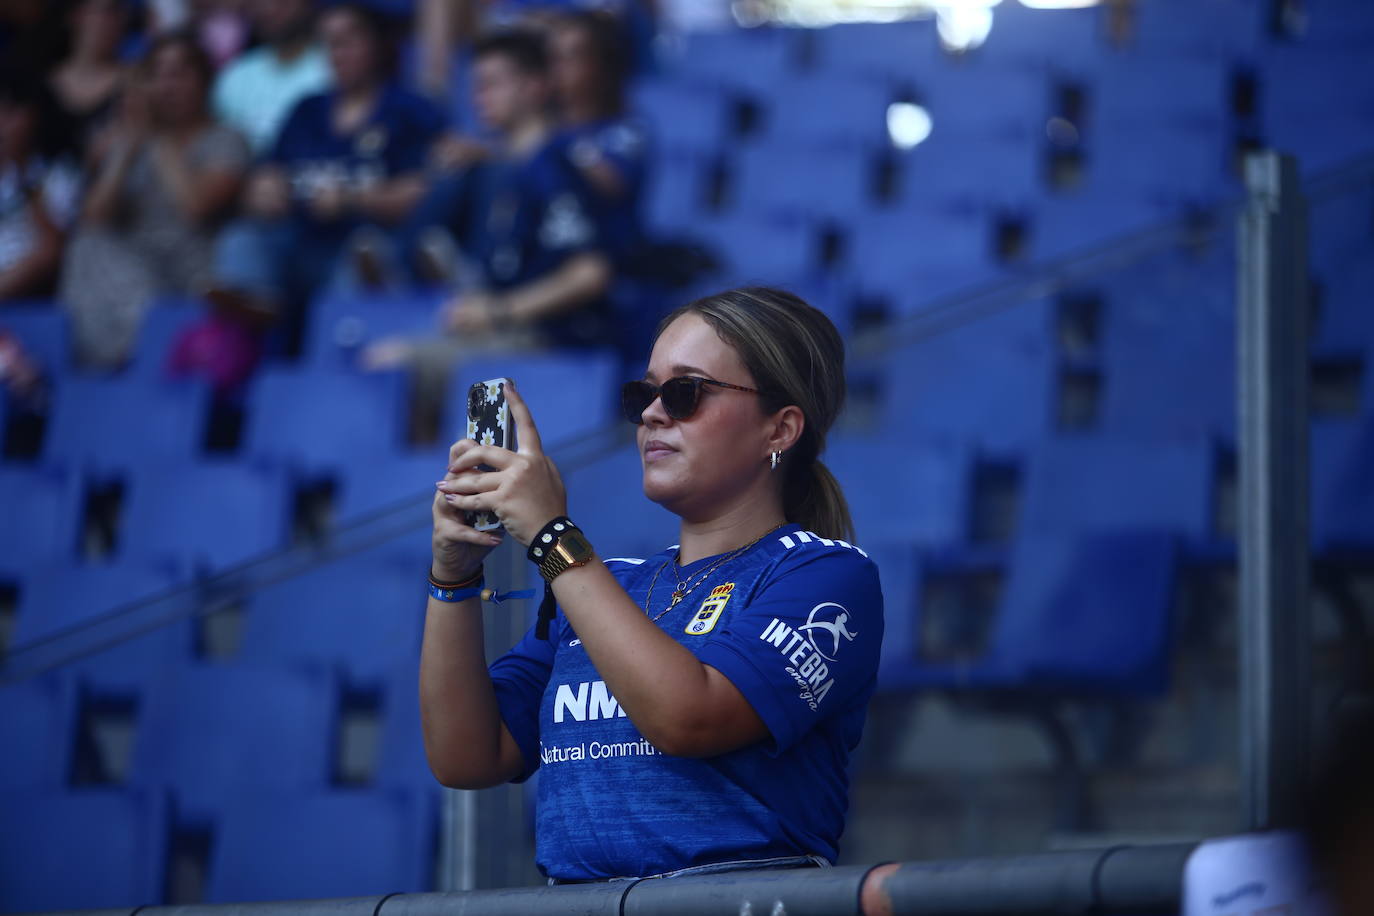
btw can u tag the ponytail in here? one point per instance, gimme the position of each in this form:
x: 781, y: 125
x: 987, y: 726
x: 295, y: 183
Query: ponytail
x: 812, y: 498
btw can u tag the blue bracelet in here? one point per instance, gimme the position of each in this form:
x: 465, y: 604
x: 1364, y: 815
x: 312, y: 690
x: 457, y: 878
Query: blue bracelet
x: 454, y: 595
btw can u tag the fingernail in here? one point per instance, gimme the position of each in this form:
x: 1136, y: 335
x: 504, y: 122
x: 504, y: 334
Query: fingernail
x: 450, y: 496
x: 493, y: 541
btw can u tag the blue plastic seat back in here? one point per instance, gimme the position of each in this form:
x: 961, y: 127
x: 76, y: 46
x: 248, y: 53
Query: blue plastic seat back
x: 42, y: 514
x: 682, y: 117
x: 912, y: 257
x: 53, y: 599
x: 754, y: 248
x: 924, y: 499
x: 157, y: 335
x: 1080, y: 485
x: 340, y: 327
x: 949, y: 170
x: 1342, y: 503
x: 279, y: 846
x: 84, y: 849
x: 216, y: 734
x: 855, y: 112
x: 205, y: 517
x: 712, y: 58
x: 886, y: 51
x: 834, y: 183
x: 317, y: 420
x: 42, y: 328
x: 117, y: 422
x: 37, y: 728
x: 362, y: 614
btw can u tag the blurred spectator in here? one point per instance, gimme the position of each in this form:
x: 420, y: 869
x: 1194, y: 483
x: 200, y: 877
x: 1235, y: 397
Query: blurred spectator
x: 168, y: 175
x: 1340, y: 822
x: 39, y: 185
x: 508, y: 227
x: 90, y: 74
x: 221, y: 26
x: 258, y: 90
x: 348, y: 158
x: 605, y: 146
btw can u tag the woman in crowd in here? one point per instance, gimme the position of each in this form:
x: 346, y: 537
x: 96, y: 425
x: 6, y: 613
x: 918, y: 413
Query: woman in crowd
x: 89, y: 76
x: 156, y: 197
x: 696, y: 709
x: 38, y: 186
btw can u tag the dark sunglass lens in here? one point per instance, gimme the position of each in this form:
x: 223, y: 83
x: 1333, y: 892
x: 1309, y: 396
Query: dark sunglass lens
x: 635, y: 397
x: 680, y: 397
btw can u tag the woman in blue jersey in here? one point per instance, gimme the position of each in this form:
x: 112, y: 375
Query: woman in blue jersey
x: 694, y: 709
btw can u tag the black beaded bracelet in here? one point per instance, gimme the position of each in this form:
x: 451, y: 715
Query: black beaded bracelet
x: 547, y: 535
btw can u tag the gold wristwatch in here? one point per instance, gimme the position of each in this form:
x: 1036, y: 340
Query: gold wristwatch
x: 560, y: 547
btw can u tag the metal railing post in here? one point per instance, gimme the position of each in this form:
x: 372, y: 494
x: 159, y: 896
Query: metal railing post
x: 1275, y: 633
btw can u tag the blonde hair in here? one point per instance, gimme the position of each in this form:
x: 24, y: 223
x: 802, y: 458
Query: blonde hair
x: 796, y: 357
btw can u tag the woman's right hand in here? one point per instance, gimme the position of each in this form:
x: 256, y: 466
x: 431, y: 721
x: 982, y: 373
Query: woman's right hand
x: 459, y: 549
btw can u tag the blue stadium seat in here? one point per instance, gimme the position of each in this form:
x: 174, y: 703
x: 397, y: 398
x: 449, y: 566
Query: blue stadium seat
x: 1082, y: 485
x: 1128, y: 92
x: 42, y: 327
x: 401, y: 760
x: 42, y: 514
x: 893, y: 51
x: 114, y: 423
x: 1086, y: 615
x: 985, y: 384
x: 982, y: 100
x: 217, y: 735
x: 1038, y: 39
x: 1342, y: 504
x: 1346, y: 320
x: 834, y: 183
x: 683, y: 118
x: 855, y: 112
x: 968, y: 170
x: 755, y: 249
x: 925, y: 501
x: 1337, y: 24
x: 373, y: 484
x: 161, y: 327
x: 569, y: 393
x: 1213, y: 29
x: 84, y: 849
x: 37, y: 728
x: 55, y: 598
x: 278, y: 846
x: 1087, y: 219
x: 361, y: 615
x: 913, y: 257
x: 204, y: 517
x: 1164, y: 165
x: 1168, y: 348
x: 315, y: 421
x: 1322, y: 141
x: 714, y: 58
x: 675, y: 194
x: 340, y: 326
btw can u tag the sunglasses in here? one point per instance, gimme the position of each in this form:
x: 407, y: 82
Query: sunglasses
x: 680, y: 395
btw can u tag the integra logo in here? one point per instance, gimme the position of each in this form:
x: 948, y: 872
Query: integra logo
x: 807, y: 654
x: 591, y: 701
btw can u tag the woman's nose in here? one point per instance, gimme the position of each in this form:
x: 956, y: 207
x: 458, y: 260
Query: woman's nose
x: 654, y: 414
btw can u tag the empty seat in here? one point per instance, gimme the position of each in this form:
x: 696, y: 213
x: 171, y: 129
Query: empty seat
x: 569, y: 394
x: 893, y: 51
x: 1142, y: 94
x: 42, y: 327
x: 158, y: 333
x: 755, y: 249
x: 278, y: 846
x: 924, y: 500
x: 675, y: 193
x: 778, y: 179
x: 84, y: 849
x: 986, y: 383
x: 713, y: 58
x: 37, y: 728
x: 340, y: 326
x: 1164, y: 165
x: 401, y: 760
x: 216, y: 736
x: 360, y: 615
x: 205, y: 517
x: 1088, y: 219
x: 684, y: 118
x: 1215, y: 29
x: 42, y: 514
x: 913, y: 257
x: 113, y: 423
x: 315, y: 420
x: 55, y: 599
x: 951, y: 169
x: 1080, y: 485
x: 1342, y: 505
x: 981, y: 99
x: 855, y: 112
x: 1044, y: 38
x: 1086, y: 614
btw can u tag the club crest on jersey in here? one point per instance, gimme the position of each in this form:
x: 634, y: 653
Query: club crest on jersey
x: 704, y: 620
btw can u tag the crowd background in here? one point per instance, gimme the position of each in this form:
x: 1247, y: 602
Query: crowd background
x: 252, y: 253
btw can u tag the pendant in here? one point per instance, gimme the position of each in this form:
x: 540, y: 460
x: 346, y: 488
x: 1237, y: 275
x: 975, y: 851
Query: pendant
x: 677, y: 596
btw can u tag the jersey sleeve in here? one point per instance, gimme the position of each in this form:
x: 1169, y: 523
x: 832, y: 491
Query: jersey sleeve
x: 807, y: 645
x: 520, y: 677
x: 565, y: 224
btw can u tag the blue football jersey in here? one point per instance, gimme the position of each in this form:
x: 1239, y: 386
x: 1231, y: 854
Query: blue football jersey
x: 795, y: 623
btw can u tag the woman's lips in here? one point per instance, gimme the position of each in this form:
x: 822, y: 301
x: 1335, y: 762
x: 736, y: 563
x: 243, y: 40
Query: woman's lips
x: 657, y: 451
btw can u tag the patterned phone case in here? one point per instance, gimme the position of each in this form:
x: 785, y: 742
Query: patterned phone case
x: 488, y: 424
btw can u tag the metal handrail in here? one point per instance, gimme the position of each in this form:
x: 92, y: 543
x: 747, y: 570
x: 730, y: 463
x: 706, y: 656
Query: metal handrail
x: 411, y: 513
x: 1119, y: 879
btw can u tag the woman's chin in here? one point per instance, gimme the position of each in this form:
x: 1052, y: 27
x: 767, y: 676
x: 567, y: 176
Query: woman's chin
x: 661, y: 489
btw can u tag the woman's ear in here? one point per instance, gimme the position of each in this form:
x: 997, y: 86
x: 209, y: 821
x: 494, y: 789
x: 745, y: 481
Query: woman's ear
x: 788, y: 426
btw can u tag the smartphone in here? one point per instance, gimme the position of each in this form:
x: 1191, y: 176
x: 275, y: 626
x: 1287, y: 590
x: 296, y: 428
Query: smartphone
x: 489, y: 424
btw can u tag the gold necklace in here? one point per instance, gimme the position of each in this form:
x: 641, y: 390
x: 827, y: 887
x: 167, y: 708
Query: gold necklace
x: 683, y: 588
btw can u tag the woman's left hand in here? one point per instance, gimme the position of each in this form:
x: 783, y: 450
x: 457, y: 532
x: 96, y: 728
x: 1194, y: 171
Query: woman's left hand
x: 525, y: 489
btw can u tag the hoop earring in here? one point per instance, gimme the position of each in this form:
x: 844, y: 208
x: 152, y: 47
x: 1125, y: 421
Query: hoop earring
x: 774, y: 459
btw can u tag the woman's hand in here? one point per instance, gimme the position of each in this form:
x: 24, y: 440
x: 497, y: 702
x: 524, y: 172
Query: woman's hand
x: 458, y: 547
x: 471, y: 314
x: 525, y: 490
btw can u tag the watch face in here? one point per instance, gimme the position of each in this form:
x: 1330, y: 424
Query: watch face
x: 576, y: 546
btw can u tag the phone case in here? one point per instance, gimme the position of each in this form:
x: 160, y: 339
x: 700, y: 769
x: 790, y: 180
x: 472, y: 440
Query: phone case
x: 489, y: 424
